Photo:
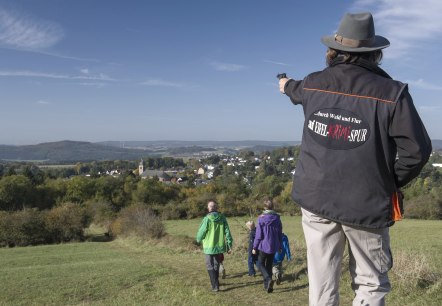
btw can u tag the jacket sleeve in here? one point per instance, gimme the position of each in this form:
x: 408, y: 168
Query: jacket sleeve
x: 411, y: 138
x: 202, y: 230
x: 294, y: 90
x: 287, y: 248
x: 258, y: 235
x: 228, y: 235
x: 281, y: 234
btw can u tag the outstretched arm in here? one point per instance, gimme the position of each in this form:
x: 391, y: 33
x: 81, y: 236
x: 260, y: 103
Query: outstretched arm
x: 291, y: 88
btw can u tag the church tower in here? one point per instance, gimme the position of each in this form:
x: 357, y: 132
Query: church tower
x: 141, y: 167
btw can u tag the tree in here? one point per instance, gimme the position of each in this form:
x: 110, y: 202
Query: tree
x: 80, y: 189
x: 271, y: 186
x: 16, y: 192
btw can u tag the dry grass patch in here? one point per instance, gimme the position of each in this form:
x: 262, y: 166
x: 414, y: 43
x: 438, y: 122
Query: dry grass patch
x: 412, y: 269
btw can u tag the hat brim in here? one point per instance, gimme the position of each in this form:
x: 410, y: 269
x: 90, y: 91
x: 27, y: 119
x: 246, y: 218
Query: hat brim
x: 380, y: 42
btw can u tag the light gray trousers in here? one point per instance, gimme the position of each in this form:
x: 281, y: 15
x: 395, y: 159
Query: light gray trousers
x: 369, y: 255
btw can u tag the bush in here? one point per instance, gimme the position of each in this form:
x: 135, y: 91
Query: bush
x: 22, y: 228
x: 172, y: 211
x: 423, y: 207
x: 101, y: 213
x: 66, y: 223
x: 138, y: 220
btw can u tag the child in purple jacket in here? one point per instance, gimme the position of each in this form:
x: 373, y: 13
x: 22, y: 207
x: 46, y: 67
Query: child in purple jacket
x: 268, y: 240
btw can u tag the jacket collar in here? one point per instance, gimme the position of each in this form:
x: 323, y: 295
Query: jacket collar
x: 361, y: 63
x: 269, y: 212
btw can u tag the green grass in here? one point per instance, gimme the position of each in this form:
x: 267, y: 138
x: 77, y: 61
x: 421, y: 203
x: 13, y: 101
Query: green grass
x: 172, y: 271
x: 69, y: 274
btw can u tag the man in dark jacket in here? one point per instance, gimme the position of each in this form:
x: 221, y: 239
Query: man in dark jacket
x: 268, y: 240
x: 362, y: 140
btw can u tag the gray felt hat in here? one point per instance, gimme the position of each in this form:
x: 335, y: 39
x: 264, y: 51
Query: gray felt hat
x: 356, y: 34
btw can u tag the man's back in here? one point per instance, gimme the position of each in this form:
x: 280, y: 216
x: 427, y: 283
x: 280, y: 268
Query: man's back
x: 348, y: 154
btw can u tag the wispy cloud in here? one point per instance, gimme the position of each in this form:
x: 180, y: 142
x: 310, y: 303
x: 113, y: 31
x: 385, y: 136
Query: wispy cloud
x: 92, y: 84
x: 408, y: 24
x: 19, y: 31
x: 37, y: 74
x: 43, y: 102
x: 420, y: 83
x: 227, y: 67
x: 429, y: 108
x: 162, y: 83
x: 277, y: 63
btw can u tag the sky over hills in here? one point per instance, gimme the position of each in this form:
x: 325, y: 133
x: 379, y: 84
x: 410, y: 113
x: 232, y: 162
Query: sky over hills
x: 189, y: 70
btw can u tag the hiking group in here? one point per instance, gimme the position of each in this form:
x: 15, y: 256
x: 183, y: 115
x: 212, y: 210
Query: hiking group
x: 362, y: 141
x: 268, y: 245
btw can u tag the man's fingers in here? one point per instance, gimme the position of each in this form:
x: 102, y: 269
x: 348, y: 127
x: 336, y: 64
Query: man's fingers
x: 282, y: 84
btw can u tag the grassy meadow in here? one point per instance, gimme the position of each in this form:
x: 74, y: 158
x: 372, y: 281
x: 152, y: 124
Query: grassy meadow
x: 171, y: 271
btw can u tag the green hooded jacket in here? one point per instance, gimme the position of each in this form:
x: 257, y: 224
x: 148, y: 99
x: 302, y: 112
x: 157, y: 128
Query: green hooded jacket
x: 215, y: 234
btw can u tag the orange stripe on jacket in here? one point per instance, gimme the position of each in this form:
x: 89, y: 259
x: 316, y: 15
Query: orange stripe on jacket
x: 349, y: 95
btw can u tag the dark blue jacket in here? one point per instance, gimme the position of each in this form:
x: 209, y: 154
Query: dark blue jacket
x: 285, y: 251
x: 251, y: 239
x: 362, y: 140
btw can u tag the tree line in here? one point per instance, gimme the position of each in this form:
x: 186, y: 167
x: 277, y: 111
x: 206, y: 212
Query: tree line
x: 29, y: 194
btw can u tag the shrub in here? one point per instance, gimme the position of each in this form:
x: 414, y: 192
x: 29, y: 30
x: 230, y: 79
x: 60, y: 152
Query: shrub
x: 138, y: 220
x: 172, y: 211
x: 67, y: 222
x: 101, y: 213
x: 423, y: 207
x: 21, y: 228
x: 115, y: 228
x: 5, y: 227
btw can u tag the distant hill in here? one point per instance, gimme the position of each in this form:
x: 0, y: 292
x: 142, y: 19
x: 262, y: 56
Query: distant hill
x: 69, y: 151
x: 238, y: 144
x: 437, y: 144
x: 74, y: 151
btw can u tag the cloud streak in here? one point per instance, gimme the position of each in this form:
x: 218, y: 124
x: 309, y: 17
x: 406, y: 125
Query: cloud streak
x: 21, y: 32
x: 227, y: 67
x: 420, y: 83
x: 37, y: 74
x: 429, y: 110
x: 408, y: 24
x: 43, y: 102
x: 162, y: 83
x: 277, y: 63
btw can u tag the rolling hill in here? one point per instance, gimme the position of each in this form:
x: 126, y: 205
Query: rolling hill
x: 73, y: 151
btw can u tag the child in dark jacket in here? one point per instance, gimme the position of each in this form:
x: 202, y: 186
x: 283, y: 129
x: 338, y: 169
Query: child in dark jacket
x: 251, y: 260
x: 279, y: 257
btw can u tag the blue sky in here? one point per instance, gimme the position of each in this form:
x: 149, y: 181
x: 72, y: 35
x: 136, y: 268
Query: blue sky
x: 189, y: 70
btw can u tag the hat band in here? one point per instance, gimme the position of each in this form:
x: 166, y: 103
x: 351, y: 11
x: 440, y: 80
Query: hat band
x: 353, y: 43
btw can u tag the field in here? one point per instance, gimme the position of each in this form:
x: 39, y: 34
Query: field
x: 172, y: 271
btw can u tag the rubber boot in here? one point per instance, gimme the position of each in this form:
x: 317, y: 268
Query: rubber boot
x: 216, y: 279
x: 222, y: 271
x: 213, y: 280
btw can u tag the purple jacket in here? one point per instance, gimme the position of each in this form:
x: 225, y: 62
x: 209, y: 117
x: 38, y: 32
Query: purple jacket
x: 268, y: 238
